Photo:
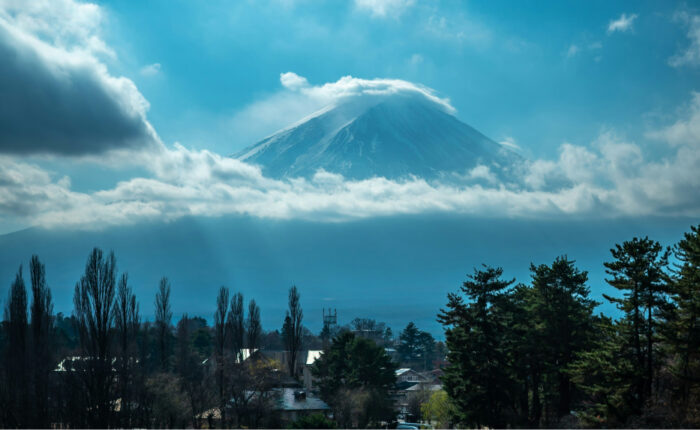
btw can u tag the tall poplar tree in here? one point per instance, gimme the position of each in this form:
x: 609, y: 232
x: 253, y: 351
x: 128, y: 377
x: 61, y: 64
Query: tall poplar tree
x: 220, y: 340
x: 41, y: 330
x: 236, y: 327
x: 292, y: 330
x: 17, y: 354
x: 164, y: 316
x: 253, y: 326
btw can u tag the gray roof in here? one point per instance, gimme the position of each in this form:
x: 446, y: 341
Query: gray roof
x: 288, y: 402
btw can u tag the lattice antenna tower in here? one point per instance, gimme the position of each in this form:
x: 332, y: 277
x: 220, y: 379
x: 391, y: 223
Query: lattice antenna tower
x: 330, y: 319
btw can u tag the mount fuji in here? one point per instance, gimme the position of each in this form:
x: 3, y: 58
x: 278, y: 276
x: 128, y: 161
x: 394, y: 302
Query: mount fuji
x: 394, y: 136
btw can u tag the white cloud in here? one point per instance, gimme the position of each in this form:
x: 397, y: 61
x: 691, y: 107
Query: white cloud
x: 65, y: 24
x: 582, y: 48
x: 509, y: 142
x: 298, y: 99
x: 384, y: 8
x: 572, y: 51
x: 150, y: 70
x: 459, y: 29
x: 623, y: 24
x: 686, y: 130
x: 691, y: 55
x: 292, y: 81
x: 416, y: 59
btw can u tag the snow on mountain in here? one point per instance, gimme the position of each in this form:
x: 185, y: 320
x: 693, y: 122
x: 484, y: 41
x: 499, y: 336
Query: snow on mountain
x: 393, y: 136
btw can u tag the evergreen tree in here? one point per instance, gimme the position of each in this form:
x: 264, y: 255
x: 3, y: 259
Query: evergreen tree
x: 606, y: 373
x: 638, y: 270
x: 477, y: 379
x: 409, y: 346
x: 523, y: 347
x: 354, y: 365
x: 683, y: 334
x: 562, y: 312
x: 416, y: 347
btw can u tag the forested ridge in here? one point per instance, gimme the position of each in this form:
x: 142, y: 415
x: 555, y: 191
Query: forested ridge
x: 516, y: 354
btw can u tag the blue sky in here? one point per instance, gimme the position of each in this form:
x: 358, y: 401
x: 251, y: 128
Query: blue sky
x: 540, y: 74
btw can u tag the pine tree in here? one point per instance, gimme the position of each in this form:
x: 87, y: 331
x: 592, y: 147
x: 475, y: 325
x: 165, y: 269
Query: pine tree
x: 409, y: 346
x: 477, y: 379
x: 356, y: 369
x: 562, y: 312
x: 683, y: 334
x: 638, y: 270
x: 606, y: 374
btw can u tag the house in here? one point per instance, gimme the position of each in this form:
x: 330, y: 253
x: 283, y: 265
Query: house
x: 311, y: 357
x: 409, y: 375
x: 411, y: 383
x: 288, y: 405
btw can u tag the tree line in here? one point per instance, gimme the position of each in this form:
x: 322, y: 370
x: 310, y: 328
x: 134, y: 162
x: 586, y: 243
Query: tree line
x: 105, y: 366
x: 517, y: 355
x: 536, y: 355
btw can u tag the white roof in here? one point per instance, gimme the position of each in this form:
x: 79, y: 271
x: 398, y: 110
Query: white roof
x: 312, y: 356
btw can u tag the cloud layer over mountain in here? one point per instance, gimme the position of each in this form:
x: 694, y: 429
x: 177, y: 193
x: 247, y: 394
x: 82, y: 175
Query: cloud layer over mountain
x: 609, y: 179
x: 52, y: 51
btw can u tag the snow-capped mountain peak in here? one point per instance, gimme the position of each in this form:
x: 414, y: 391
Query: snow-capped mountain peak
x: 393, y: 136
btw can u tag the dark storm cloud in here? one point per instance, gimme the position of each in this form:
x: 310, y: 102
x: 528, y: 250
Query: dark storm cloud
x: 58, y: 102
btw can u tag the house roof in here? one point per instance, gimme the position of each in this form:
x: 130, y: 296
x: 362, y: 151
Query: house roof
x: 287, y: 401
x: 312, y: 356
x: 405, y: 385
x: 427, y: 387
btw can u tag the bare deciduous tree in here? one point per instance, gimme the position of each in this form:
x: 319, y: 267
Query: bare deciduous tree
x: 93, y: 301
x: 164, y: 316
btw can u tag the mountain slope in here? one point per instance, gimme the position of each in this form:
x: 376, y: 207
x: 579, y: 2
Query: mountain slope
x: 392, y: 136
